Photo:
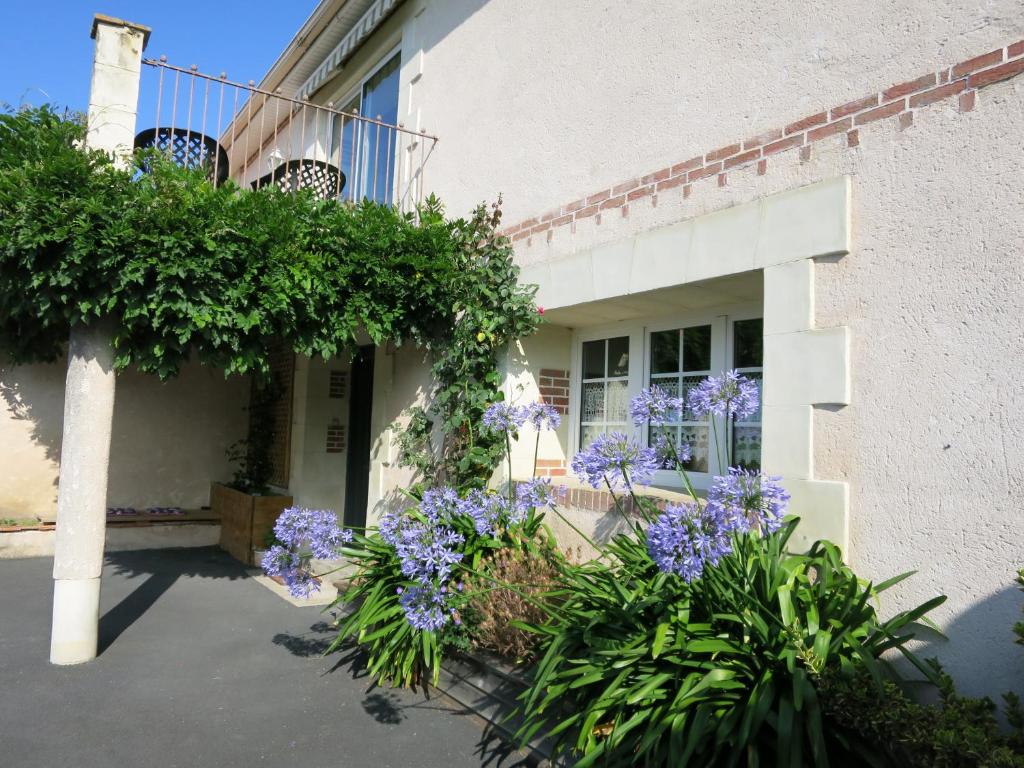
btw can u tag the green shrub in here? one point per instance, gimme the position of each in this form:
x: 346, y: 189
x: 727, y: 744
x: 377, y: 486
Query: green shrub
x: 957, y: 732
x: 641, y: 668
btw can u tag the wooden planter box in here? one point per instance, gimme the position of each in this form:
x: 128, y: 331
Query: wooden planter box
x: 245, y: 520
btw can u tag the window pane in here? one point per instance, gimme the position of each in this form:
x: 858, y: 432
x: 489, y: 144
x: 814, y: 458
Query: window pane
x: 618, y: 356
x: 588, y: 434
x: 593, y: 359
x: 697, y: 348
x: 380, y: 102
x: 618, y: 401
x: 593, y: 402
x: 749, y: 343
x: 697, y: 439
x: 746, y: 447
x: 665, y: 352
x: 671, y: 435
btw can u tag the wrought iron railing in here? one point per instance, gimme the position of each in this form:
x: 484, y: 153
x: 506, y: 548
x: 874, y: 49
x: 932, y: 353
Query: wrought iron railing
x: 258, y: 137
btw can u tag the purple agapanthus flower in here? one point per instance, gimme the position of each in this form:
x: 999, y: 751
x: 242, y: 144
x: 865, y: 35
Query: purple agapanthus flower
x: 686, y: 537
x: 486, y: 510
x: 389, y: 525
x: 532, y: 494
x: 440, y: 504
x: 504, y: 417
x: 543, y: 416
x: 427, y: 552
x: 288, y: 566
x: 731, y: 394
x: 654, y: 405
x: 315, y: 530
x: 425, y: 606
x: 746, y: 501
x: 682, y: 452
x: 617, y: 460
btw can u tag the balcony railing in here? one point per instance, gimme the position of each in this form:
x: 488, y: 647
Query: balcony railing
x: 258, y: 138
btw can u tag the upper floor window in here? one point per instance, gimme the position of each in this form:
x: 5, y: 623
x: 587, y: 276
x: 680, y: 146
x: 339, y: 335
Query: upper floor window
x: 676, y: 356
x: 367, y: 149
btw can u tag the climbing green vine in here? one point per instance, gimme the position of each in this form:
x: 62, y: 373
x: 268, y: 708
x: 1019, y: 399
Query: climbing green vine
x: 188, y: 270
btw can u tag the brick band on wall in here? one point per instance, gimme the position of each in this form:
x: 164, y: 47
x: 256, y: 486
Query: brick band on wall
x: 898, y: 102
x: 554, y: 389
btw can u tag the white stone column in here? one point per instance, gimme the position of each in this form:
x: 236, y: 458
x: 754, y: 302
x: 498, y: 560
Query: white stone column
x: 90, y: 384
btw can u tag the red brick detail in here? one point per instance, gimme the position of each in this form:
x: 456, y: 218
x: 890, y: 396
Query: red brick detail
x: 936, y: 94
x: 625, y: 186
x: 708, y: 170
x: 721, y: 153
x: 554, y: 389
x: 746, y: 157
x: 669, y: 183
x: 764, y: 138
x: 781, y: 146
x: 854, y: 106
x: 336, y: 438
x: 807, y: 122
x: 636, y: 194
x: 689, y: 165
x: 911, y: 86
x: 841, y: 126
x: 961, y: 79
x: 994, y: 75
x: 978, y: 62
x: 653, y: 178
x: 880, y: 113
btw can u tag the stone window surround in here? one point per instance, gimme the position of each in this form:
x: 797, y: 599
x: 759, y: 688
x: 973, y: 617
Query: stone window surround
x: 804, y: 366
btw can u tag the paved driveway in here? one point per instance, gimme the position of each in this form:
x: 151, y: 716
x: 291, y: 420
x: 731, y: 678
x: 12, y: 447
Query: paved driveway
x: 201, y: 666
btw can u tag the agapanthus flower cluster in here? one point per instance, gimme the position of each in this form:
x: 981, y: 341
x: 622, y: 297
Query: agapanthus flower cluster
x: 486, y: 509
x: 655, y: 405
x: 731, y: 394
x: 426, y: 607
x: 533, y: 494
x: 505, y: 417
x: 427, y: 552
x: 686, y: 537
x: 616, y: 459
x: 747, y: 501
x: 440, y: 505
x: 303, y: 534
x: 543, y: 416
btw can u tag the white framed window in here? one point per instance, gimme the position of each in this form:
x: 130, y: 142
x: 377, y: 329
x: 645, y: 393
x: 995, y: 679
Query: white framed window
x: 611, y: 364
x: 366, y: 151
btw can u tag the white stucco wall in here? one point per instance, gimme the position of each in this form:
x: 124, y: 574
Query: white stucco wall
x: 546, y: 102
x: 167, y: 445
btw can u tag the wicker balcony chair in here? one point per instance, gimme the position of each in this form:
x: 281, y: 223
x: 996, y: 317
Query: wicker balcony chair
x: 324, y: 179
x: 189, y: 149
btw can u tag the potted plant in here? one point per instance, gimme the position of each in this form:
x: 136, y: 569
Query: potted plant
x: 247, y: 505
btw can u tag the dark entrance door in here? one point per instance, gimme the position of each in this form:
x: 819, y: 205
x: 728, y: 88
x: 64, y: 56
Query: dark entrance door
x: 357, y: 474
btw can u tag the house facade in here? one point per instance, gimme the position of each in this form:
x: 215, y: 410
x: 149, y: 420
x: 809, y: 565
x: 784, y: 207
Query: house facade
x: 831, y: 206
x: 829, y: 203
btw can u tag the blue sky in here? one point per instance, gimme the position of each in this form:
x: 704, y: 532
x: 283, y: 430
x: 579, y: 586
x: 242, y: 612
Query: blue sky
x: 47, y: 52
